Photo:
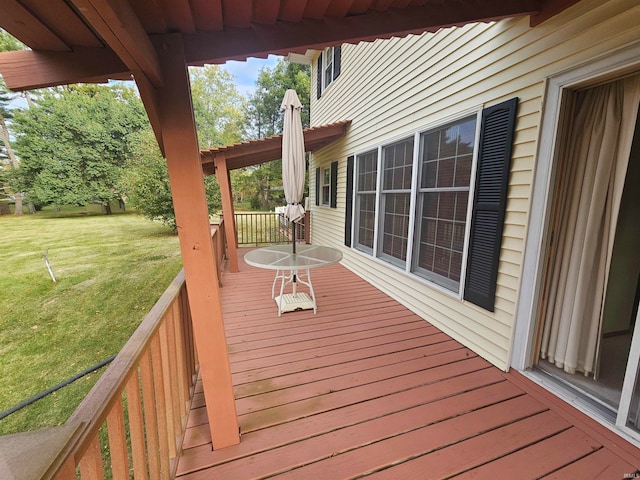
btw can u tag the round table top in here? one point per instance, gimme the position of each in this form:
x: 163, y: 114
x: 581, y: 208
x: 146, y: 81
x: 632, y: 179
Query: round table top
x: 281, y: 257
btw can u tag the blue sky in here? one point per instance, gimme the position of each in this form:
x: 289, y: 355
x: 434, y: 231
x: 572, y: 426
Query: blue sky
x: 245, y: 73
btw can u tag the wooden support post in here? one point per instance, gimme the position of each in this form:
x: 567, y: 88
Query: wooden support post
x: 192, y: 217
x: 224, y: 180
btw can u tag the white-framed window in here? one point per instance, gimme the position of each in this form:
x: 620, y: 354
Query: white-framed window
x: 437, y: 206
x: 328, y: 68
x: 325, y: 185
x: 445, y: 164
x: 365, y: 200
x: 395, y: 200
x: 327, y: 74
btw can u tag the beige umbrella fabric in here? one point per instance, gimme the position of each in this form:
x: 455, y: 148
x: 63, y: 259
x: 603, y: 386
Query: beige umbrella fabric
x: 293, y: 164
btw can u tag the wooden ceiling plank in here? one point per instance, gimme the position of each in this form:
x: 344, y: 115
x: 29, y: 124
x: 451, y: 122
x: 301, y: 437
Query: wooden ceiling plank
x: 237, y: 13
x: 340, y: 8
x: 401, y: 3
x: 317, y: 9
x: 26, y: 69
x: 382, y: 4
x: 266, y: 12
x: 117, y: 24
x: 359, y: 7
x: 151, y: 15
x: 208, y: 15
x: 178, y: 16
x: 64, y: 21
x: 308, y: 34
x: 291, y: 10
x: 22, y: 24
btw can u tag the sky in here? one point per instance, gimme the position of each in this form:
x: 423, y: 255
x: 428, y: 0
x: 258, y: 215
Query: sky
x: 246, y: 73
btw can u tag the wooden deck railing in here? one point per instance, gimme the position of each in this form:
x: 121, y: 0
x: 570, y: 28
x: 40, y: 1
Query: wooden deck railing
x: 263, y: 228
x: 219, y: 246
x: 134, y: 418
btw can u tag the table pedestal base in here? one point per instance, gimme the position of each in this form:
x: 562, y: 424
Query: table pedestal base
x: 289, y: 302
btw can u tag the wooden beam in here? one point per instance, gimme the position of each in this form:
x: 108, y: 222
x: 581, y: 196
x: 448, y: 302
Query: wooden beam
x: 116, y: 22
x: 283, y: 38
x: 26, y: 69
x: 22, y: 24
x: 148, y: 96
x: 192, y: 218
x: 224, y: 180
x: 266, y: 149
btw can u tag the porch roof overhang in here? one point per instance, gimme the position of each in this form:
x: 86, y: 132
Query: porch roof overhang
x: 263, y: 150
x: 75, y: 41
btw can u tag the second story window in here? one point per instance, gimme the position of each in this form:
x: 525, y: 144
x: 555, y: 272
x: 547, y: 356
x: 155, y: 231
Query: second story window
x: 328, y: 68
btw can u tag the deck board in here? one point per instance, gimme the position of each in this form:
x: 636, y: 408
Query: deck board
x: 366, y: 387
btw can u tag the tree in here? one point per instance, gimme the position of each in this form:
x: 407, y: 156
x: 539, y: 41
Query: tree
x: 219, y: 119
x: 217, y: 107
x: 265, y: 119
x: 8, y: 159
x: 74, y: 143
x: 147, y: 182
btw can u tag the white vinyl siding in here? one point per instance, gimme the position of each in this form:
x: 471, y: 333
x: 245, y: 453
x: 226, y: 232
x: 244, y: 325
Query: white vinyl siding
x: 413, y: 82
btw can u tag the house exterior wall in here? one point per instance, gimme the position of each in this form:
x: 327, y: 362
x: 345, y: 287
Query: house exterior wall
x: 390, y: 89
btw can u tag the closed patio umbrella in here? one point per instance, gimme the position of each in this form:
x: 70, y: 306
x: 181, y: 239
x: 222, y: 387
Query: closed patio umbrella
x: 293, y: 164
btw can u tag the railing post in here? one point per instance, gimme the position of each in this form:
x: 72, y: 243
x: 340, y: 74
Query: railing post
x: 307, y: 227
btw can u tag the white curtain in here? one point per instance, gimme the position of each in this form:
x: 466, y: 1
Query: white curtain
x: 595, y: 159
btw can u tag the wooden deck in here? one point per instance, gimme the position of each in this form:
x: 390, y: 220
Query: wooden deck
x: 367, y: 388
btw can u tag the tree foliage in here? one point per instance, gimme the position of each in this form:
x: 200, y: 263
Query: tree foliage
x: 147, y: 182
x: 8, y: 160
x: 75, y: 141
x: 217, y: 107
x: 263, y: 183
x: 219, y: 120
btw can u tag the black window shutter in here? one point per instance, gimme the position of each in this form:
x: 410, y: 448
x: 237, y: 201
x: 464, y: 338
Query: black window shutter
x: 337, y: 60
x: 489, y: 203
x: 334, y: 185
x: 319, y: 78
x: 349, y: 202
x: 317, y: 186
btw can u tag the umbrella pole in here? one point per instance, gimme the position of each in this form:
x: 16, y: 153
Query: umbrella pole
x: 295, y: 293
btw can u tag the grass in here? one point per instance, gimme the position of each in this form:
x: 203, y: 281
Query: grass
x: 110, y: 270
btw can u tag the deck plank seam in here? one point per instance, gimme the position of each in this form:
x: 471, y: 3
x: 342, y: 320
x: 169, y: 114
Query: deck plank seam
x: 386, y: 414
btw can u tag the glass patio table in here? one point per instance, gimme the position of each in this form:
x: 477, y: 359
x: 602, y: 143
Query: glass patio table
x: 293, y: 268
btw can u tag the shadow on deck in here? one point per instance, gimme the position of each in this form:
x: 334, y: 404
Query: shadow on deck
x: 366, y: 387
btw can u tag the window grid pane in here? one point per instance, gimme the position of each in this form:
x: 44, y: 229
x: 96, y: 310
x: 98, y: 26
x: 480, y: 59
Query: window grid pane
x: 366, y: 219
x: 396, y: 193
x: 445, y: 176
x: 366, y: 179
x: 396, y: 225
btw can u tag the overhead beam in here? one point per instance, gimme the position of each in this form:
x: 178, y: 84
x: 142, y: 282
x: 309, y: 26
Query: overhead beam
x: 117, y: 24
x: 282, y: 38
x: 26, y: 69
x: 14, y: 17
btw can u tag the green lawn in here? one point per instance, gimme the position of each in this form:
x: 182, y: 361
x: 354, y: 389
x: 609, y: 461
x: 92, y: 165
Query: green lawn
x: 110, y: 270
